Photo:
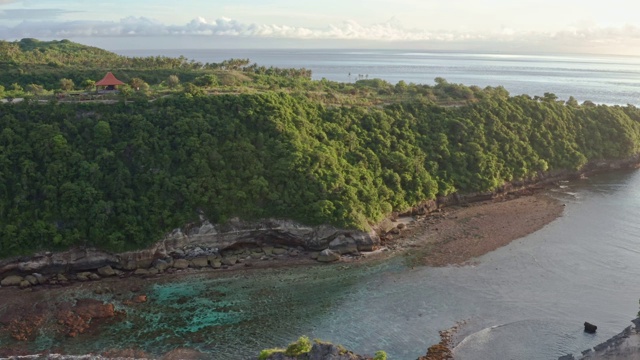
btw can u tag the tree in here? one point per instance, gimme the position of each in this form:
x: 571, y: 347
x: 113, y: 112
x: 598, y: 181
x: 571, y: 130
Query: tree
x: 35, y: 89
x: 125, y: 91
x: 208, y: 80
x: 88, y: 84
x: 572, y: 102
x: 138, y: 84
x: 173, y: 81
x: 66, y: 84
x: 192, y: 90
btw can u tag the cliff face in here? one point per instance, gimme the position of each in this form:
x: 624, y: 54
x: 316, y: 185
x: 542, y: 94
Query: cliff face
x: 197, y: 242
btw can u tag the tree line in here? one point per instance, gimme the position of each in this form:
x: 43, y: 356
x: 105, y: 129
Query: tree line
x: 120, y: 176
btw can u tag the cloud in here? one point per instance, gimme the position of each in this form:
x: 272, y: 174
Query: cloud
x: 31, y: 14
x: 390, y: 31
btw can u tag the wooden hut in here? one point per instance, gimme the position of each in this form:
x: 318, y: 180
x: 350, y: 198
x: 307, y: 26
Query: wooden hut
x: 108, y: 83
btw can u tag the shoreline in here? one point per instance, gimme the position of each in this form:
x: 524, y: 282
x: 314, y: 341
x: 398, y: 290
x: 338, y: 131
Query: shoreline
x: 448, y: 237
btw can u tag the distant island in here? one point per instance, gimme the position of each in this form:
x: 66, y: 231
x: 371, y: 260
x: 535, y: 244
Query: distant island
x: 182, y: 141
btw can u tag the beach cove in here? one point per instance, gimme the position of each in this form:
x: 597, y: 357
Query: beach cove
x: 294, y: 300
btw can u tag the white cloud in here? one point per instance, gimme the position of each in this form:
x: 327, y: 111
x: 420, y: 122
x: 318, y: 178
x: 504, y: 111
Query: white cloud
x: 390, y: 31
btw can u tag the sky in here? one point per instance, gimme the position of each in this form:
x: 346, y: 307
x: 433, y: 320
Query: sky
x: 554, y: 26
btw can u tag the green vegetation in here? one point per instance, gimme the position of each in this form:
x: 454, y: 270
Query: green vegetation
x: 267, y: 353
x: 118, y: 176
x: 380, y: 355
x: 301, y: 346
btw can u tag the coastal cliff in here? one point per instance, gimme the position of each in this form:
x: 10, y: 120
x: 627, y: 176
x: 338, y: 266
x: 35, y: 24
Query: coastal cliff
x: 206, y: 245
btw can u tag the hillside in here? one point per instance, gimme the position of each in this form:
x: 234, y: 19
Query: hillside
x: 119, y: 176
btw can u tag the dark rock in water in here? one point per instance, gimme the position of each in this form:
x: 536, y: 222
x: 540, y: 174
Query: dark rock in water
x: 567, y: 357
x: 590, y: 328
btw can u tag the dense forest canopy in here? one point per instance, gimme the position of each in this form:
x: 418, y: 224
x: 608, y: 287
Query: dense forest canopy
x: 118, y: 176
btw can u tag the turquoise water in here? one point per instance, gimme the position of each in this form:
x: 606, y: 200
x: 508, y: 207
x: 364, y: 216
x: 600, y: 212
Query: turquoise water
x: 527, y: 300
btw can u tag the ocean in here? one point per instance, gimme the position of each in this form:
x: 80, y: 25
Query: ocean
x: 602, y: 79
x: 527, y: 300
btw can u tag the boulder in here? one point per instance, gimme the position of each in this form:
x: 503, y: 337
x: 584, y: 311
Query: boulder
x: 82, y: 276
x: 229, y: 260
x: 590, y: 328
x: 200, y: 262
x: 343, y: 245
x: 25, y: 284
x: 13, y: 280
x: 141, y: 272
x: 216, y: 264
x: 31, y: 279
x: 328, y: 256
x: 106, y: 271
x: 41, y: 279
x: 366, y: 241
x: 279, y: 251
x: 94, y: 276
x: 181, y: 264
x: 161, y: 264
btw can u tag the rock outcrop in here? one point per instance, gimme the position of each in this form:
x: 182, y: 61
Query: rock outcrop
x: 625, y: 345
x: 320, y: 351
x: 194, y: 246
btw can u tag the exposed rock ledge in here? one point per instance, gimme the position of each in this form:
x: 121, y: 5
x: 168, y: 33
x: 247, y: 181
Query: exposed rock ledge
x: 625, y: 345
x: 218, y: 245
x: 194, y: 246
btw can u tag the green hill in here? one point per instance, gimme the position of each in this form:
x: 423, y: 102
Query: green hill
x: 119, y: 176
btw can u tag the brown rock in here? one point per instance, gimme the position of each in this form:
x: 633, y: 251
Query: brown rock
x: 181, y: 264
x: 141, y: 272
x: 78, y: 318
x: 106, y: 271
x: 184, y: 354
x: 343, y: 245
x: 23, y: 326
x: 230, y: 260
x: 13, y: 280
x: 279, y: 251
x: 199, y: 262
x: 31, y: 279
x: 94, y: 276
x: 328, y: 256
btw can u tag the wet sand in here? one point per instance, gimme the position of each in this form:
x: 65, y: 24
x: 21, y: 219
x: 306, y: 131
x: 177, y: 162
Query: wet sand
x: 457, y: 235
x: 452, y: 236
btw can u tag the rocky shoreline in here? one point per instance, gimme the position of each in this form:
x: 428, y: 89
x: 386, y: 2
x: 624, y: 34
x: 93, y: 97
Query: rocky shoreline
x: 214, y: 246
x: 625, y: 345
x: 446, y: 231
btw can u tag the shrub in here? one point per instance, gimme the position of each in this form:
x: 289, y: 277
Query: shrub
x: 380, y: 355
x: 303, y: 345
x: 266, y: 353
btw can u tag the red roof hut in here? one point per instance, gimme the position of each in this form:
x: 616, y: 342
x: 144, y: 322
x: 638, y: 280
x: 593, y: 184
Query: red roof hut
x: 109, y: 82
